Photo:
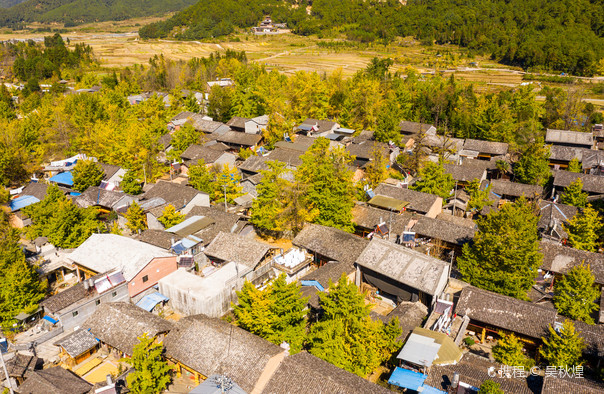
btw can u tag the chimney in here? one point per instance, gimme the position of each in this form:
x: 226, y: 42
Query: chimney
x: 90, y: 283
x: 86, y: 285
x: 109, y: 380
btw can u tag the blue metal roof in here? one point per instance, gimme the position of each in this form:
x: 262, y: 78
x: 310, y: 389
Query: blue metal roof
x: 431, y: 390
x: 312, y: 283
x: 50, y: 319
x: 149, y: 301
x: 407, y: 379
x: 64, y: 178
x: 22, y: 202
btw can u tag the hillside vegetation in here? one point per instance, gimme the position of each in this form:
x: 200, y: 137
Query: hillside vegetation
x: 72, y: 12
x: 560, y: 35
x: 9, y: 3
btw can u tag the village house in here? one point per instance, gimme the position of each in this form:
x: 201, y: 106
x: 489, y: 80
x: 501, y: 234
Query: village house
x: 409, y: 315
x: 363, y: 152
x: 467, y: 172
x: 483, y: 150
x: 592, y: 184
x: 18, y: 366
x: 179, y: 120
x: 551, y: 218
x: 181, y: 197
x: 221, y: 82
x: 141, y: 264
x: 555, y: 384
x: 439, y: 145
x: 576, y: 139
x: 202, y: 346
x: 210, y: 154
x: 236, y: 140
x: 414, y: 128
x: 106, y: 200
x: 301, y: 143
x: 32, y: 193
x: 388, y: 225
x: 112, y: 176
x: 559, y: 259
x: 77, y: 347
x: 511, y: 191
x: 118, y: 325
x: 72, y: 306
x: 401, y: 274
x: 472, y: 371
x: 223, y: 222
x: 208, y: 126
x: 561, y: 156
x: 443, y: 234
x: 422, y: 203
x: 250, y: 126
x: 256, y: 163
x: 317, y: 128
x: 491, y: 313
x: 54, y: 380
x: 304, y: 373
x: 593, y: 162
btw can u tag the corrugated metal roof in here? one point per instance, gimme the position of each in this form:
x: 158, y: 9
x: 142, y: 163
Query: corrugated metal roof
x: 149, y: 301
x: 22, y: 202
x: 191, y: 225
x: 407, y: 379
x: 64, y: 178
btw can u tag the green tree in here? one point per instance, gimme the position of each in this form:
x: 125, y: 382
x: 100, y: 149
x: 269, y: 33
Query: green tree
x: 170, y: 217
x: 533, y: 165
x: 434, y: 180
x: 346, y: 336
x: 573, y: 194
x: 479, y: 198
x: 509, y: 351
x: 584, y: 230
x: 327, y: 183
x: 57, y: 218
x: 277, y: 313
x: 20, y: 287
x: 388, y: 122
x: 490, y: 387
x: 376, y: 170
x: 227, y: 181
x: 201, y: 178
x: 151, y: 373
x: 575, y: 166
x: 115, y: 229
x: 182, y: 138
x: 4, y: 195
x: 130, y: 184
x: 575, y: 294
x: 267, y: 208
x: 136, y: 218
x: 504, y: 255
x: 87, y: 173
x: 220, y: 104
x: 563, y: 348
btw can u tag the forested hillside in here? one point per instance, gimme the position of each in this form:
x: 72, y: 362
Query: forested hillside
x: 9, y: 3
x: 72, y: 12
x: 560, y: 35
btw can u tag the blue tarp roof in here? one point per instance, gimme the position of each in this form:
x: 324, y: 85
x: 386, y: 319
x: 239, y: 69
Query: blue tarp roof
x: 50, y: 319
x: 407, y: 379
x: 149, y: 301
x: 64, y: 178
x: 431, y: 390
x: 312, y: 283
x: 22, y: 202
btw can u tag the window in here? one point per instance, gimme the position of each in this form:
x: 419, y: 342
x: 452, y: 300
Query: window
x: 145, y: 278
x: 114, y: 294
x: 74, y: 314
x: 97, y: 302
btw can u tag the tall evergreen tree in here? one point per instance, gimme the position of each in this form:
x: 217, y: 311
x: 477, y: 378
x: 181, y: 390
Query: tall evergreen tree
x: 170, y: 216
x: 584, y: 230
x: 376, y: 170
x: 346, y: 336
x: 151, y: 373
x: 267, y: 208
x: 574, y: 166
x: 509, y: 351
x: 136, y: 218
x: 563, y: 348
x: 479, y: 198
x: 87, y: 173
x: 533, y: 165
x: 573, y: 194
x: 434, y: 180
x: 276, y: 313
x: 328, y: 184
x: 576, y: 293
x: 504, y: 255
x: 130, y: 184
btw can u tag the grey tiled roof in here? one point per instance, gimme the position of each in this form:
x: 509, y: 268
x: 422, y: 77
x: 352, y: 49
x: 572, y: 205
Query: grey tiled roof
x: 488, y: 147
x: 119, y: 325
x: 210, y: 346
x: 591, y: 183
x: 303, y: 373
x: 330, y: 242
x: 54, y: 380
x: 554, y: 385
x: 77, y: 342
x: 172, y: 193
x: 560, y: 259
x: 418, y: 201
x: 515, y: 189
x: 444, y: 230
x: 505, y: 312
x: 233, y: 247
